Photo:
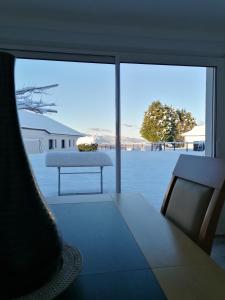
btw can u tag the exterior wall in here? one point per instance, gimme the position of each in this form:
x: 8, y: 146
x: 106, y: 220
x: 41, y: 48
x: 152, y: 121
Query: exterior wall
x: 69, y: 142
x: 193, y: 138
x: 35, y: 135
x: 32, y: 146
x: 37, y: 141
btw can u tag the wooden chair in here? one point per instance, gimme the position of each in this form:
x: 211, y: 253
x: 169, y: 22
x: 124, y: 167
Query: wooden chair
x: 195, y: 197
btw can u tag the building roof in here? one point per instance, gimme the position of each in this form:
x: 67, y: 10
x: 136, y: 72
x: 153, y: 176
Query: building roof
x: 198, y: 130
x: 32, y: 120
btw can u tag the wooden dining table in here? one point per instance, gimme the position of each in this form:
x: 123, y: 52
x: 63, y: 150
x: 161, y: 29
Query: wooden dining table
x: 130, y: 251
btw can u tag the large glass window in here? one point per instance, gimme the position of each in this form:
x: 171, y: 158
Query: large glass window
x: 74, y: 103
x: 163, y: 115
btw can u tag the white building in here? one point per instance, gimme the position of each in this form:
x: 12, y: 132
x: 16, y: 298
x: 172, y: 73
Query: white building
x: 197, y: 134
x: 42, y: 134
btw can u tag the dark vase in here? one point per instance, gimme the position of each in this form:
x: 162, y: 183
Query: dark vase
x: 30, y: 247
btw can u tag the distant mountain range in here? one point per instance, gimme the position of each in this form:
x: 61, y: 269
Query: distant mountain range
x: 109, y: 139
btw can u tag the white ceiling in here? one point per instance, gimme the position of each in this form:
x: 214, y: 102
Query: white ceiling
x: 194, y: 27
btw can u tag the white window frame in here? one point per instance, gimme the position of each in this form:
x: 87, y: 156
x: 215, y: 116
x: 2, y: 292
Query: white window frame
x: 215, y: 90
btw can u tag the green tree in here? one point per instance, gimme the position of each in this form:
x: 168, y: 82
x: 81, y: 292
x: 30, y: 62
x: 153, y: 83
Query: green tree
x: 186, y: 123
x: 165, y: 123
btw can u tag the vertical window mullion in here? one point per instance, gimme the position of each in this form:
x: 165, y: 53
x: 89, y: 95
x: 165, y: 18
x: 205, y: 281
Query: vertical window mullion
x: 210, y: 111
x: 118, y: 125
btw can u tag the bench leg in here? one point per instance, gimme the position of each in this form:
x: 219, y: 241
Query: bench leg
x: 101, y: 168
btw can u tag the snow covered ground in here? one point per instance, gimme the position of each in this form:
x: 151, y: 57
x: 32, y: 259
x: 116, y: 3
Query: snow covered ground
x: 147, y: 172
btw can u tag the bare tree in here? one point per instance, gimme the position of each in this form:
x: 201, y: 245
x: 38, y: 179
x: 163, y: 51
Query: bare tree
x: 25, y: 99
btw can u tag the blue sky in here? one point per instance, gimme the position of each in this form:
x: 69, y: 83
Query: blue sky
x: 86, y: 94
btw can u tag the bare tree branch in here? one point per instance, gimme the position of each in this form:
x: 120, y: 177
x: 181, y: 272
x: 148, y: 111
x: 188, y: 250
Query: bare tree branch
x: 25, y: 99
x: 35, y: 89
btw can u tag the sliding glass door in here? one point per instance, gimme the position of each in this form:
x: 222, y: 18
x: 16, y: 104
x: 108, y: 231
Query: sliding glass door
x: 67, y: 107
x: 141, y: 116
x: 162, y: 116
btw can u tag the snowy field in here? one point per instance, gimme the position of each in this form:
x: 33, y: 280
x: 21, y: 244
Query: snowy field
x: 147, y: 173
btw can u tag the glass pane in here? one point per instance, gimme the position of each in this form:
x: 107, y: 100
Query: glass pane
x: 68, y: 107
x: 163, y: 115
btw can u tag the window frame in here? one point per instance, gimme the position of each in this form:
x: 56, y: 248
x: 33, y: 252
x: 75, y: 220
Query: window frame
x: 50, y: 144
x: 212, y: 109
x: 63, y: 144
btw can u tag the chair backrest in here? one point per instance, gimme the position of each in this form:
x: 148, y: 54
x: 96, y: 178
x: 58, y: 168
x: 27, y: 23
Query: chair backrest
x: 195, y: 197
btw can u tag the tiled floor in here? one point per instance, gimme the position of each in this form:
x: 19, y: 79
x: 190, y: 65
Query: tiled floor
x: 218, y: 251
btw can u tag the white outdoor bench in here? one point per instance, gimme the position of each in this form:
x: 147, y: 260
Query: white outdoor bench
x: 78, y: 159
